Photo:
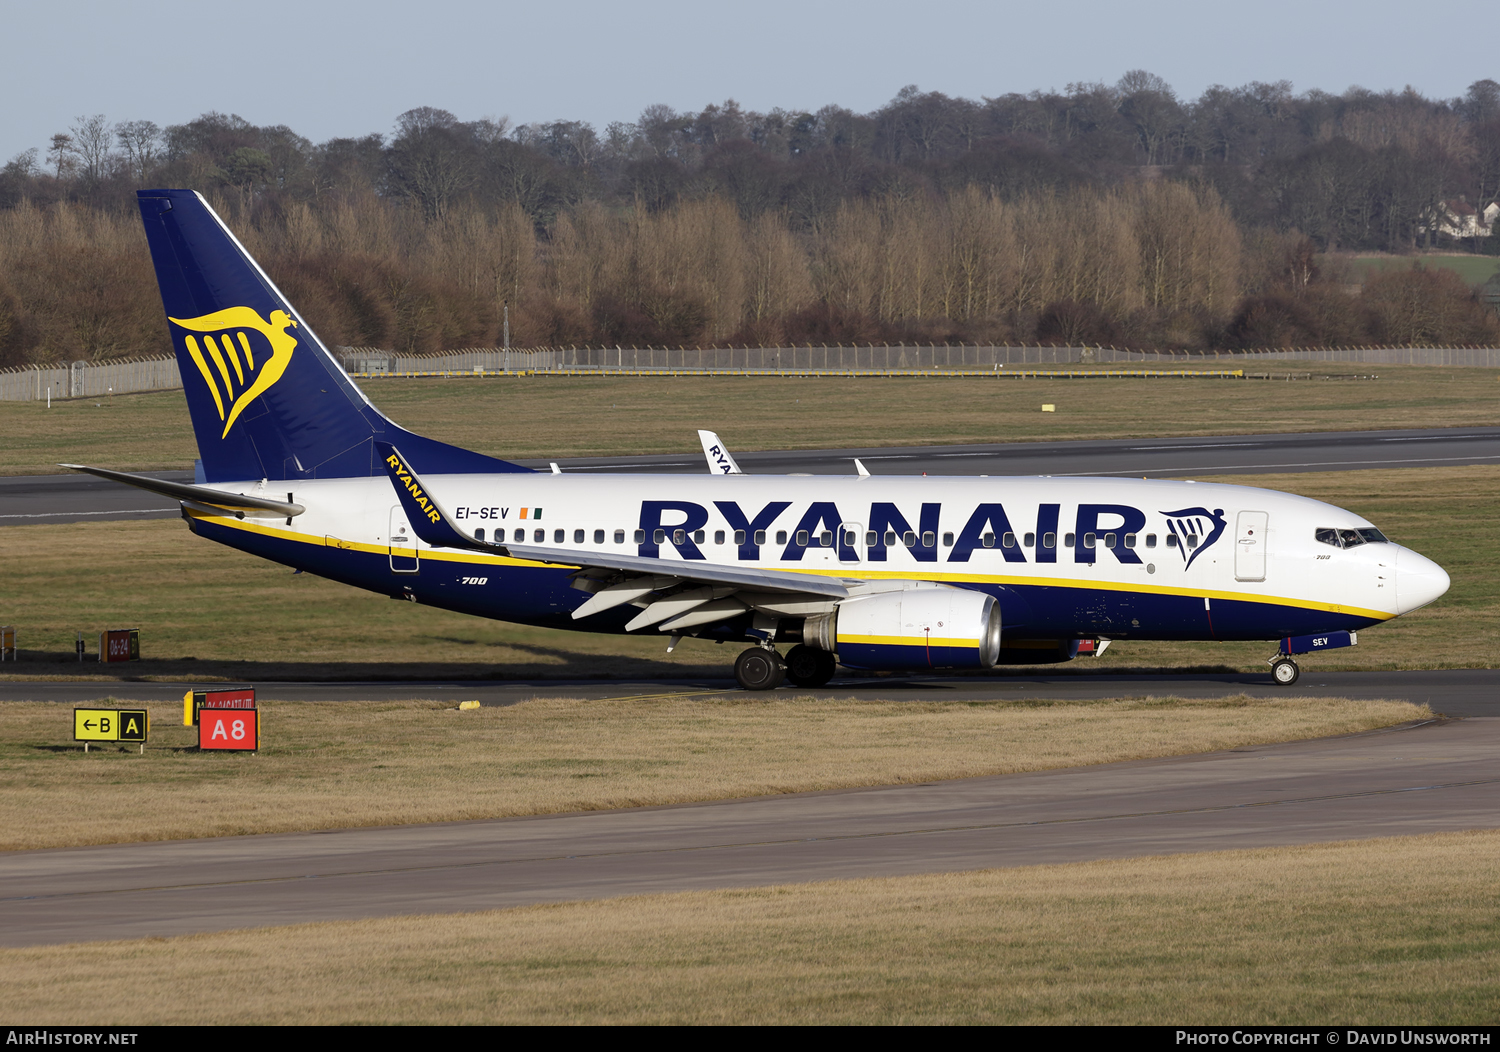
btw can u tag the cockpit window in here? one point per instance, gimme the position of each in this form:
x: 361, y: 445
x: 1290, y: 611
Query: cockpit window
x: 1349, y: 538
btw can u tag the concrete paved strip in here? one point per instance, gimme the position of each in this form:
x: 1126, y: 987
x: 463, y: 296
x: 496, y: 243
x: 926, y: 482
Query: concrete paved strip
x: 1152, y: 458
x: 1450, y: 692
x: 1437, y: 776
x: 28, y: 500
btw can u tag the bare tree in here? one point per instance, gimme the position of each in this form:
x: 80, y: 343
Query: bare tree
x: 92, y: 139
x: 142, y: 143
x: 61, y: 153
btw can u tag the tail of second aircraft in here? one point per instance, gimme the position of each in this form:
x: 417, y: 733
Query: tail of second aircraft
x: 267, y: 399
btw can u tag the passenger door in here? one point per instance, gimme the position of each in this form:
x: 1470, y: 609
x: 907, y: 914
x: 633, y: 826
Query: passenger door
x: 1250, y: 535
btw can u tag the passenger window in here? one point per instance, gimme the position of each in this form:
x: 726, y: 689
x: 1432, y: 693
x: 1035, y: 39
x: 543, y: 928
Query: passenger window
x: 1049, y: 540
x: 520, y: 535
x: 739, y: 536
x: 697, y: 536
x: 659, y: 537
x: 1171, y: 540
x: 1070, y: 541
x: 870, y: 540
x: 718, y: 536
x: 679, y: 536
x: 948, y: 540
x: 890, y: 539
x: 826, y: 538
x: 479, y: 534
x: 1130, y: 540
x: 1192, y: 540
x: 929, y: 540
x: 851, y: 538
x: 988, y: 540
x: 619, y: 536
x: 1088, y: 540
x: 760, y: 536
x: 802, y: 538
x: 909, y: 539
x: 557, y: 536
x: 781, y: 536
x: 1150, y: 540
x: 598, y: 536
x: 1008, y: 541
x: 539, y: 535
x: 1031, y: 540
x: 640, y: 537
x: 577, y: 536
x: 1109, y: 540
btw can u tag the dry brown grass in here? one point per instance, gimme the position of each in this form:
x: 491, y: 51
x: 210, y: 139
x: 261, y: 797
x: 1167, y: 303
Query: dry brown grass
x: 335, y: 765
x: 589, y: 416
x: 1397, y: 931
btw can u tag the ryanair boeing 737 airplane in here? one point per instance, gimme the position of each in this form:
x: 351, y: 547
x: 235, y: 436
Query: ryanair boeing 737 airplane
x: 898, y: 573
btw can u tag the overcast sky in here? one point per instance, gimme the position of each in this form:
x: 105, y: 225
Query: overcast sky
x: 348, y: 69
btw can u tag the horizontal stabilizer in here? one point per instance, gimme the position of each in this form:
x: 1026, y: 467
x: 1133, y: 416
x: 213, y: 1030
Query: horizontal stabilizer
x: 198, y: 495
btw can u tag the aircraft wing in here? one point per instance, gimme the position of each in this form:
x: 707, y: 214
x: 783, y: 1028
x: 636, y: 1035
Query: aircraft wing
x: 674, y: 594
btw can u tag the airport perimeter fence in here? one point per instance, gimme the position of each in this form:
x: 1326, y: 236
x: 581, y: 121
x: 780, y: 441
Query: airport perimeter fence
x: 38, y: 383
x: 838, y: 360
x: 94, y: 379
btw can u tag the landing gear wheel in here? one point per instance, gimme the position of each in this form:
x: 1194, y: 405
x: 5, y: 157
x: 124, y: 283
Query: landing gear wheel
x: 1285, y: 672
x: 809, y: 666
x: 759, y: 669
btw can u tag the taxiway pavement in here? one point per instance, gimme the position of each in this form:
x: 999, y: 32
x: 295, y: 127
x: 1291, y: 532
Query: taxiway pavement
x: 35, y: 499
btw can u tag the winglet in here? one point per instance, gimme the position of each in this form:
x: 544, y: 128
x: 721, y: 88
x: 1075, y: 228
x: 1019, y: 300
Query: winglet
x: 859, y: 465
x: 429, y: 520
x: 720, y: 462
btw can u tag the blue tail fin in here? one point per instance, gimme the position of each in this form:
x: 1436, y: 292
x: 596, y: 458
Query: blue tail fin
x: 267, y: 399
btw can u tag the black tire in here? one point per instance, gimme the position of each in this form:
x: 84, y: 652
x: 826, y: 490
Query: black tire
x: 759, y: 669
x: 1285, y: 672
x: 809, y: 666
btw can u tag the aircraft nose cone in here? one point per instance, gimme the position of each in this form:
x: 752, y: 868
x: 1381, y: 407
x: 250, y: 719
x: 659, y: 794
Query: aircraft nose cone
x: 1419, y: 581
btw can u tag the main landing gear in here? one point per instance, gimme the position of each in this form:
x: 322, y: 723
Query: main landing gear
x: 761, y: 668
x: 1284, y: 671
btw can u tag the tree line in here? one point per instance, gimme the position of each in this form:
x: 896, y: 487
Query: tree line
x: 1114, y: 214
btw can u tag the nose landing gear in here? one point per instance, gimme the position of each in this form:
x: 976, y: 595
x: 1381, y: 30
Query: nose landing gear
x: 1284, y: 671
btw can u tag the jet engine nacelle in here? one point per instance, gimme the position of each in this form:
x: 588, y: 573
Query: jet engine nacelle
x: 919, y: 628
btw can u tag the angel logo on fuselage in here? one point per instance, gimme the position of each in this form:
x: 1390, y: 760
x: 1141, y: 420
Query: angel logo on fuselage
x: 1189, y: 523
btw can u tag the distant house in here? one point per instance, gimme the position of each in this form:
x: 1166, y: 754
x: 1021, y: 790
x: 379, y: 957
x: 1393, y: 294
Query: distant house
x: 1459, y: 219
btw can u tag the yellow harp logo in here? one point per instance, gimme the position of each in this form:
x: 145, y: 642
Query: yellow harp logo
x: 226, y: 345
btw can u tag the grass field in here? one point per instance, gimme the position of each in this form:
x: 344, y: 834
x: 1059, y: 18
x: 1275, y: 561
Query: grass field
x: 1475, y: 270
x: 1398, y: 931
x: 210, y: 613
x: 341, y: 764
x: 589, y: 416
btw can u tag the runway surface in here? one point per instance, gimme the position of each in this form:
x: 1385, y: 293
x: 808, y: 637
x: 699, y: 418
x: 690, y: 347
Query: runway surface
x: 1449, y: 692
x: 1438, y: 776
x: 82, y: 498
